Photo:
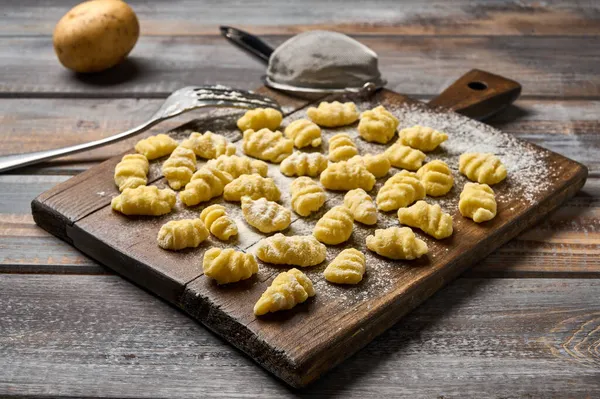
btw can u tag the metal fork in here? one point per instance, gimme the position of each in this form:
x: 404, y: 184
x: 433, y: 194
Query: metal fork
x: 180, y: 101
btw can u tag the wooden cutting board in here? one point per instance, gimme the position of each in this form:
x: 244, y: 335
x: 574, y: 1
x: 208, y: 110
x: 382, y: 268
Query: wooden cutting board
x: 301, y: 344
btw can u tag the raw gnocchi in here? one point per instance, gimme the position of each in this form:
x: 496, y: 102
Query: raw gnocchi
x: 341, y: 147
x: 483, y: 168
x: 301, y: 251
x: 429, y: 218
x: 361, y: 205
x: 267, y: 145
x: 478, y: 202
x: 333, y: 114
x: 377, y: 125
x: 131, y: 172
x: 347, y: 268
x: 344, y: 176
x: 156, y: 146
x: 209, y: 145
x: 180, y: 167
x: 304, y: 133
x: 436, y: 177
x: 397, y: 243
x: 287, y: 290
x: 206, y: 183
x: 218, y: 223
x: 228, y: 266
x: 307, y: 196
x: 144, y: 200
x: 237, y: 166
x: 304, y: 164
x: 405, y: 157
x: 180, y: 234
x: 399, y: 191
x: 253, y: 186
x: 260, y: 118
x: 379, y: 164
x: 335, y: 226
x: 266, y: 216
x: 422, y: 138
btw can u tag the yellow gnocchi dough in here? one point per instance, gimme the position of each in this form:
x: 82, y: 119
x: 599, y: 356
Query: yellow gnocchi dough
x: 180, y: 167
x: 478, y: 202
x: 361, y: 205
x: 228, y: 266
x: 397, y: 243
x: 307, y: 196
x: 347, y: 268
x: 304, y: 133
x: 483, y: 168
x: 237, y: 166
x: 344, y: 176
x: 399, y: 191
x: 266, y: 216
x: 301, y: 251
x: 404, y: 157
x: 144, y: 200
x: 436, y: 177
x: 156, y: 146
x: 253, y: 186
x: 131, y: 171
x: 267, y: 145
x: 206, y: 183
x: 180, y: 234
x: 287, y: 290
x: 333, y: 114
x: 218, y: 223
x: 260, y: 118
x: 428, y: 218
x: 377, y: 125
x: 304, y: 164
x: 209, y: 145
x: 422, y: 138
x: 341, y: 147
x: 335, y: 226
x: 379, y: 164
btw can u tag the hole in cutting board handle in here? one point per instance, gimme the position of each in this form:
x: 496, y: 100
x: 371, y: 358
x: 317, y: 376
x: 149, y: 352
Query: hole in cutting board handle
x: 477, y: 85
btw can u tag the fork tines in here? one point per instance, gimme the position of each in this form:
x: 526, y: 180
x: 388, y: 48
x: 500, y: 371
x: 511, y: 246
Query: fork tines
x: 222, y: 95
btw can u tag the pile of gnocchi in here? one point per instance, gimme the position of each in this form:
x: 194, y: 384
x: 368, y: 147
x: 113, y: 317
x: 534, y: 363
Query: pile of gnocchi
x: 244, y: 180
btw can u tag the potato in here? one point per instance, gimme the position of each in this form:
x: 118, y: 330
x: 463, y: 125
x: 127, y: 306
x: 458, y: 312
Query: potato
x: 96, y: 35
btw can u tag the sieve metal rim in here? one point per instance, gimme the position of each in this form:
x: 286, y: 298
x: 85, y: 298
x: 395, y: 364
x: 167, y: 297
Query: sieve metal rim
x: 368, y: 87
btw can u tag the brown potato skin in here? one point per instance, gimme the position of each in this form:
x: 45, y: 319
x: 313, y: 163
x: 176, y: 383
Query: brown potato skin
x: 95, y: 35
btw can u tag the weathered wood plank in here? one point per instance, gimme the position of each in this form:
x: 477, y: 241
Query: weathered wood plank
x: 476, y: 338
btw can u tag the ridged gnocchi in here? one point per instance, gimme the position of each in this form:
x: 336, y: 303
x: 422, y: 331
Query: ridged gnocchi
x: 335, y: 226
x: 180, y: 167
x: 304, y: 133
x: 228, y: 266
x: 379, y: 164
x: 131, y: 172
x: 333, y: 114
x: 405, y: 157
x: 144, y: 200
x: 347, y: 268
x: 304, y: 164
x: 287, y: 290
x: 361, y: 205
x: 399, y: 191
x: 180, y: 234
x: 307, y: 196
x: 206, y: 183
x: 436, y: 177
x: 429, y: 218
x: 218, y: 223
x: 422, y: 138
x: 341, y: 147
x: 300, y: 251
x: 377, y: 125
x: 478, y: 202
x: 266, y: 216
x: 156, y: 146
x: 344, y: 176
x: 253, y: 186
x: 483, y: 168
x: 267, y: 145
x: 397, y: 243
x: 237, y: 166
x: 260, y: 118
x: 209, y: 145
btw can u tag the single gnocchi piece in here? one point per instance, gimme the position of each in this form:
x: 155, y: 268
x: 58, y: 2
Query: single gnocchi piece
x: 335, y: 226
x: 333, y: 114
x: 237, y: 166
x: 404, y: 157
x: 344, y: 176
x: 228, y: 266
x: 218, y: 223
x: 180, y: 234
x: 156, y: 146
x: 266, y: 216
x: 422, y: 138
x: 132, y: 171
x: 341, y: 147
x: 307, y: 196
x: 287, y: 290
x: 144, y: 200
x: 377, y: 125
x: 180, y: 167
x: 397, y: 243
x: 379, y: 164
x: 483, y: 168
x: 209, y: 145
x: 304, y: 164
x: 361, y: 205
x: 304, y: 133
x: 260, y: 118
x: 477, y: 202
x: 267, y: 145
x: 399, y: 191
x: 207, y: 183
x: 436, y: 177
x: 347, y: 268
x: 253, y: 186
x: 429, y: 218
x: 300, y: 251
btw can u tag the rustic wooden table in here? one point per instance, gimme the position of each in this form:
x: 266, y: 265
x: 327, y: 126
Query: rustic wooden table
x: 523, y: 323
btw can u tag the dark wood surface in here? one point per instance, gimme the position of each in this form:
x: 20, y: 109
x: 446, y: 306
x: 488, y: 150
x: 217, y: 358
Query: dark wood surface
x: 84, y: 335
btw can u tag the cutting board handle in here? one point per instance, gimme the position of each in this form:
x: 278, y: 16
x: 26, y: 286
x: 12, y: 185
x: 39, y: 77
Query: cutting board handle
x: 478, y: 94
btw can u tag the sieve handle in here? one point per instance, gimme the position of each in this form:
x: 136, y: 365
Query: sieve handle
x: 478, y: 94
x: 251, y: 44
